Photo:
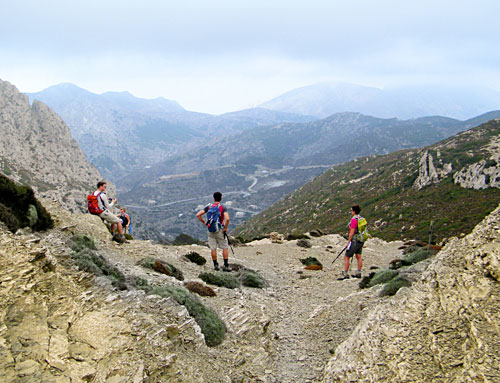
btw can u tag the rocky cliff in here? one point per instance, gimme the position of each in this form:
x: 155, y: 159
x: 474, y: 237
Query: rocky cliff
x: 36, y: 148
x: 443, y: 329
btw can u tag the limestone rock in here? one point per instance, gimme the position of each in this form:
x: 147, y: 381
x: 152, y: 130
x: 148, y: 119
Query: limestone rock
x: 443, y: 329
x: 36, y: 148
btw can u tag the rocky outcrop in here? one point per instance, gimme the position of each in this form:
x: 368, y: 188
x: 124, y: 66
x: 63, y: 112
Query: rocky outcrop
x: 444, y: 329
x: 36, y: 148
x: 428, y: 173
x: 480, y: 175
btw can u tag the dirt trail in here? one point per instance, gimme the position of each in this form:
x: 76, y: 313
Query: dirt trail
x: 283, y: 333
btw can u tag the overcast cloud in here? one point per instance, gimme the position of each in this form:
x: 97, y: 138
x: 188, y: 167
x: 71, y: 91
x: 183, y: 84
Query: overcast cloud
x: 222, y: 55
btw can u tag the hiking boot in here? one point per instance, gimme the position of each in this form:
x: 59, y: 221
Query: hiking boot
x: 357, y: 275
x: 226, y: 269
x: 216, y: 267
x: 344, y: 276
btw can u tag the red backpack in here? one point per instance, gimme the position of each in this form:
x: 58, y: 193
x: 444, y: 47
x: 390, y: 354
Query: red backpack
x: 93, y: 204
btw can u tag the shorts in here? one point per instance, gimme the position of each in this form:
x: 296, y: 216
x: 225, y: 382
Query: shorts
x: 217, y: 240
x: 109, y: 217
x: 355, y: 247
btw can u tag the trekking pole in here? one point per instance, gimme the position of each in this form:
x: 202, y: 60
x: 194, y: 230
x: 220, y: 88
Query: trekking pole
x: 339, y: 254
x: 431, y: 227
x: 228, y: 242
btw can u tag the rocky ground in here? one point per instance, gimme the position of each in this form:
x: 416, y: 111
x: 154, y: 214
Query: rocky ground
x: 59, y: 324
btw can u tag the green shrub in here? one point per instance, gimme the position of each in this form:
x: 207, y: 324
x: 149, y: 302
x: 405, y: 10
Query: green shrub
x: 8, y: 217
x: 382, y: 276
x: 184, y: 239
x: 87, y: 259
x: 392, y: 287
x: 162, y: 267
x: 220, y: 279
x: 128, y: 237
x: 417, y: 256
x: 292, y: 236
x: 15, y: 201
x: 194, y: 257
x: 81, y: 242
x: 200, y: 289
x: 251, y: 278
x: 310, y: 261
x: 142, y: 284
x: 211, y: 325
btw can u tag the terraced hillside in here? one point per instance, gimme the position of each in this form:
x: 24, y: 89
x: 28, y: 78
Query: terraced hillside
x: 454, y: 183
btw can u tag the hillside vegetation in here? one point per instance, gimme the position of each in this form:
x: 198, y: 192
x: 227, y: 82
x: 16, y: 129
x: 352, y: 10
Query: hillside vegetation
x: 400, y: 193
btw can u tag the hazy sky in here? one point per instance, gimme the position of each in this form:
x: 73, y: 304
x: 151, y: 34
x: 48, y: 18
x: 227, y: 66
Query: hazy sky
x: 222, y: 55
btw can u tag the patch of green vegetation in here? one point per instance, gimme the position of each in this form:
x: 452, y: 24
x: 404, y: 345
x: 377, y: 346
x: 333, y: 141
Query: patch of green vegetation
x: 80, y: 242
x: 392, y: 287
x: 87, y: 259
x: 194, y: 257
x: 310, y: 261
x: 382, y: 276
x: 220, y: 278
x: 162, y: 267
x: 15, y: 202
x: 251, y: 278
x: 417, y: 256
x: 184, y: 239
x: 211, y: 325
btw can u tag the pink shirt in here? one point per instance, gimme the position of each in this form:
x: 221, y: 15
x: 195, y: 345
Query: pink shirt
x: 353, y: 224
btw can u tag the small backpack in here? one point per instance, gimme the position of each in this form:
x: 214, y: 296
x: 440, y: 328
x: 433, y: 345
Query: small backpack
x: 214, y: 218
x: 362, y: 234
x: 93, y: 204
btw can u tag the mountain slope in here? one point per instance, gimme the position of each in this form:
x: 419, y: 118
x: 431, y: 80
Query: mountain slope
x: 121, y: 133
x: 454, y: 183
x: 261, y: 165
x: 327, y: 98
x: 36, y: 149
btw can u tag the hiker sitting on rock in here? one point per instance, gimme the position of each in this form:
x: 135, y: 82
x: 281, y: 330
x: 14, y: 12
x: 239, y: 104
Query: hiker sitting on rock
x: 105, y: 205
x: 354, y: 244
x: 217, y: 223
x: 125, y: 221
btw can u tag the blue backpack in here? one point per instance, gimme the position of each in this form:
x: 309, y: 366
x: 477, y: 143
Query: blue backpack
x: 214, y: 218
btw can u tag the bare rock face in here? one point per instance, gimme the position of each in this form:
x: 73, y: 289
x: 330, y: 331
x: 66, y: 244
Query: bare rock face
x: 36, y: 148
x: 428, y: 173
x: 444, y: 329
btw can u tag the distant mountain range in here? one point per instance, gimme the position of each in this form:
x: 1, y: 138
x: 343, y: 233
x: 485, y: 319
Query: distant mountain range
x: 257, y: 167
x: 325, y: 99
x: 455, y: 183
x: 120, y: 133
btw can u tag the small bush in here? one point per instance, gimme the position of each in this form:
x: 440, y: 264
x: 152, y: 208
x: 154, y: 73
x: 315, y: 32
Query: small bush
x: 142, y: 284
x: 200, y: 289
x: 311, y: 261
x: 184, y: 239
x: 220, y: 279
x: 81, y: 242
x: 87, y: 259
x: 162, y: 267
x: 251, y: 278
x: 392, y: 287
x: 211, y: 325
x: 382, y: 276
x: 194, y: 257
x: 128, y: 237
x: 417, y: 256
x: 304, y: 243
x: 17, y: 199
x: 292, y: 236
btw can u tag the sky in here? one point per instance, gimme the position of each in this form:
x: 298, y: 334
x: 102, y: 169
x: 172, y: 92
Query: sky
x: 216, y: 56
